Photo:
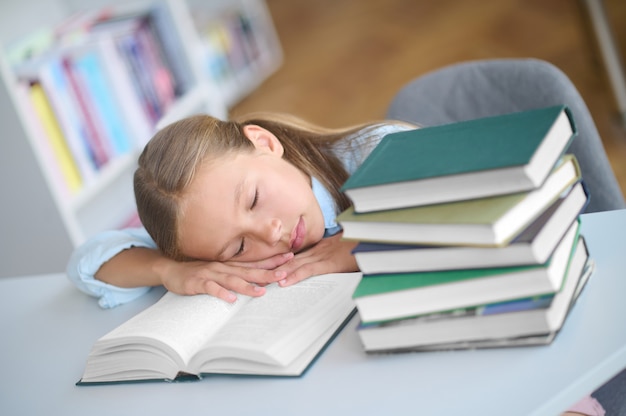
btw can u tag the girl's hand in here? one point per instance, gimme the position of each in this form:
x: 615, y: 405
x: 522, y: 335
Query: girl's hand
x: 221, y: 279
x: 330, y: 255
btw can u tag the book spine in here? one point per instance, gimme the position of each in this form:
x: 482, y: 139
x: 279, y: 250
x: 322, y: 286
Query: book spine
x: 93, y: 133
x: 43, y: 148
x: 54, y: 134
x: 90, y: 69
x: 59, y: 91
x: 164, y: 29
x: 131, y: 50
x: 117, y: 73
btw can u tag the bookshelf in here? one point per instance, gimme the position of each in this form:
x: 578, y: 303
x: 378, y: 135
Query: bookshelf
x: 44, y: 218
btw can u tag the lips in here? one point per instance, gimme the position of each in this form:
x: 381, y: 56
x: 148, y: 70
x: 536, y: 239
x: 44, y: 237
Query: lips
x: 297, y: 235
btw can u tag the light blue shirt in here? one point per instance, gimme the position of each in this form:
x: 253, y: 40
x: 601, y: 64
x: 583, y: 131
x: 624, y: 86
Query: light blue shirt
x: 90, y: 256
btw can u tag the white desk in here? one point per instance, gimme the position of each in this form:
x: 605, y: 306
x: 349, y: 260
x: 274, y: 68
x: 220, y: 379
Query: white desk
x: 47, y: 328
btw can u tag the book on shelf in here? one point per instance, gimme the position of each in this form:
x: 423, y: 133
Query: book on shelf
x: 277, y: 334
x: 87, y: 65
x: 118, y: 74
x: 54, y: 134
x: 383, y: 297
x: 492, y: 221
x: 163, y: 25
x: 471, y: 159
x: 533, y: 246
x: 48, y: 70
x: 44, y: 153
x: 483, y: 327
x: 139, y: 46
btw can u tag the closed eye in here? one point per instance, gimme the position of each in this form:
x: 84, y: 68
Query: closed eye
x: 242, y: 246
x: 255, y: 199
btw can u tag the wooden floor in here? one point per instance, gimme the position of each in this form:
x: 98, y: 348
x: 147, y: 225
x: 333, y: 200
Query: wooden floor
x: 345, y: 59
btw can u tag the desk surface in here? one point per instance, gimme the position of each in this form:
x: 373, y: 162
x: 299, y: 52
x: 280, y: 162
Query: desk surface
x: 47, y: 328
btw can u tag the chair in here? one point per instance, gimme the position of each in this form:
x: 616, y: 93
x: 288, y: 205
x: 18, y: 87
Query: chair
x: 489, y: 87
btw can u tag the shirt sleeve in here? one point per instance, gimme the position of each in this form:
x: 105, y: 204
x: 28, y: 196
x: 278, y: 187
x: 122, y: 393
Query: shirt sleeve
x: 88, y: 257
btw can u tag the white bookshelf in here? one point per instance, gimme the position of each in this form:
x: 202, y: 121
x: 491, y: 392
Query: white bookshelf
x: 40, y: 224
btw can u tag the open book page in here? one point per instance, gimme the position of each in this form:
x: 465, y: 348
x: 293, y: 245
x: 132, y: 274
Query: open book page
x: 277, y: 327
x: 184, y: 323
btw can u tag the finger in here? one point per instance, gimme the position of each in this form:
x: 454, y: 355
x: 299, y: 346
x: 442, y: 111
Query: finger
x: 268, y: 263
x: 303, y: 272
x: 228, y: 288
x: 261, y: 276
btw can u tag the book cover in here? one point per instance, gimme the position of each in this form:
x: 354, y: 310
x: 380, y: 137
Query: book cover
x: 473, y: 330
x: 393, y: 296
x: 464, y: 160
x: 533, y: 246
x: 493, y: 221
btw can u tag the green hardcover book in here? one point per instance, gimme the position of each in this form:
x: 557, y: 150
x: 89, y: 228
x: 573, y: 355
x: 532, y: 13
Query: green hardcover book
x: 397, y: 296
x: 493, y: 221
x: 465, y: 160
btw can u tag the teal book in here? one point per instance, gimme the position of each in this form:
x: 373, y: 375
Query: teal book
x: 400, y: 295
x: 493, y: 221
x: 477, y: 158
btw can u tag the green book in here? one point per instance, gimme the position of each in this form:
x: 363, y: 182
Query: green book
x: 493, y: 221
x: 397, y: 296
x: 465, y: 160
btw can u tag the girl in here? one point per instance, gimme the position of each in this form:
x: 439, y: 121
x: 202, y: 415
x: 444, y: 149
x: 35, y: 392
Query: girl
x: 230, y: 206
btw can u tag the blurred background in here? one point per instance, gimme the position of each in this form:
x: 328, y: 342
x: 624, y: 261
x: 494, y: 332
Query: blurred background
x: 345, y: 59
x: 342, y: 62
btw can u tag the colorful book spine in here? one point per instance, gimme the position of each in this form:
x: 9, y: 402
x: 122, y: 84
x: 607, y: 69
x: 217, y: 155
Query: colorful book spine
x: 94, y: 132
x: 59, y: 91
x: 96, y: 85
x: 54, y: 134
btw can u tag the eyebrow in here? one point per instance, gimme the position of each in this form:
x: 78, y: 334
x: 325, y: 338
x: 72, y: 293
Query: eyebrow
x: 237, y: 202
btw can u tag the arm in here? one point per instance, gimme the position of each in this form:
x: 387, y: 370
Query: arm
x: 119, y: 266
x: 86, y: 260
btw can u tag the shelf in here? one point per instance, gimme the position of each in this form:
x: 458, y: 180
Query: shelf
x: 46, y: 216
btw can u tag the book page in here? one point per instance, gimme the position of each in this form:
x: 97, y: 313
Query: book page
x: 183, y: 322
x: 296, y: 314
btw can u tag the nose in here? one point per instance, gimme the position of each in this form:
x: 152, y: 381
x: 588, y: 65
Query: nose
x: 269, y: 231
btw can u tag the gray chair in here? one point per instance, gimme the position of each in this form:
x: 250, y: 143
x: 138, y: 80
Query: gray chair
x: 482, y: 88
x: 489, y: 87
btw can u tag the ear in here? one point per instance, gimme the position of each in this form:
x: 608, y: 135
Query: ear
x: 263, y: 139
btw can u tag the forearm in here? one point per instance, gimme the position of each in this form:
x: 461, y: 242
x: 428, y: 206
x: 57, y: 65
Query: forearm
x: 134, y: 267
x: 87, y: 260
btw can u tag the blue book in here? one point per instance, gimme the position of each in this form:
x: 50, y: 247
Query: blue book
x: 104, y: 104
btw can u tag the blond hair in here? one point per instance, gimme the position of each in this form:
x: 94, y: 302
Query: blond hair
x: 170, y: 160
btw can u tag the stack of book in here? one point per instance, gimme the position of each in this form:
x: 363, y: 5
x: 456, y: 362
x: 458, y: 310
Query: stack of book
x: 468, y: 233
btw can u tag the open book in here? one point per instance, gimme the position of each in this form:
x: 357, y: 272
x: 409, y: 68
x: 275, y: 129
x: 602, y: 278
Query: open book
x: 279, y: 333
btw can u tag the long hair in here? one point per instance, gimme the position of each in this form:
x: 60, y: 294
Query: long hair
x: 172, y: 157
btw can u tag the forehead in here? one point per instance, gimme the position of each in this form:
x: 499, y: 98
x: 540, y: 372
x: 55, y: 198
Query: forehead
x: 208, y: 216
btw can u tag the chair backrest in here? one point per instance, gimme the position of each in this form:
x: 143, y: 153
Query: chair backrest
x: 482, y: 88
